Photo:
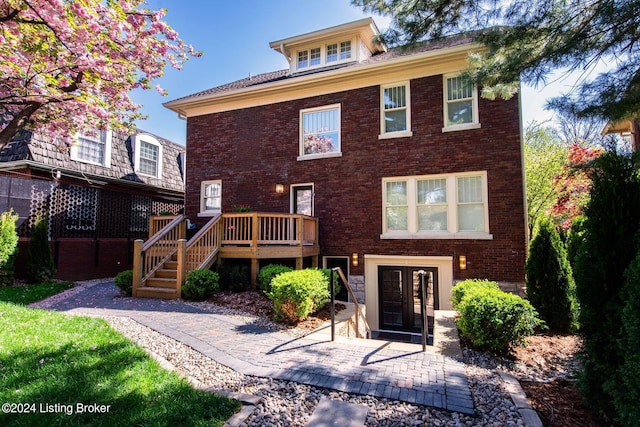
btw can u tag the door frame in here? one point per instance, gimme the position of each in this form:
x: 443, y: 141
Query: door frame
x: 443, y: 264
x: 292, y: 200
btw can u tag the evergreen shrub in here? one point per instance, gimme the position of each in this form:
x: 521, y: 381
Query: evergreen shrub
x: 233, y: 277
x: 470, y: 285
x: 550, y: 285
x: 124, y: 280
x: 200, y: 285
x: 40, y: 265
x: 8, y: 246
x: 296, y: 294
x: 267, y: 273
x: 496, y: 320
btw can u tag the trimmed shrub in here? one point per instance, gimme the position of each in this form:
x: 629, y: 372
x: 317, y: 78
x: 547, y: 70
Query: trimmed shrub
x: 550, y: 285
x: 625, y: 386
x: 124, y: 280
x: 233, y: 277
x: 470, y: 285
x: 200, y: 285
x: 296, y: 294
x: 40, y: 265
x: 8, y: 246
x: 496, y: 320
x: 267, y: 273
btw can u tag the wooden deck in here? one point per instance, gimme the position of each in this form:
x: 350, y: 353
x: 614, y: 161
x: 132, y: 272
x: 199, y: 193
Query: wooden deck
x: 162, y: 263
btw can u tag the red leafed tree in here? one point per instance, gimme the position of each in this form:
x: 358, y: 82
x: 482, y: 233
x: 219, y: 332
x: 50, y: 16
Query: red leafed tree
x: 67, y: 66
x: 573, y: 185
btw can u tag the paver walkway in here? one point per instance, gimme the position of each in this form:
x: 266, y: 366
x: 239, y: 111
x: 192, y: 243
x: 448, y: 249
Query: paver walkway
x: 411, y: 376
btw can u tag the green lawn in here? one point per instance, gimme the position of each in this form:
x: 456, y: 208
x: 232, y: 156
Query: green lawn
x: 27, y: 294
x: 52, y: 362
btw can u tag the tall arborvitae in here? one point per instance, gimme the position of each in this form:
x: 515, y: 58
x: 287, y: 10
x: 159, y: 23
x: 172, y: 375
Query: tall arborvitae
x: 40, y: 265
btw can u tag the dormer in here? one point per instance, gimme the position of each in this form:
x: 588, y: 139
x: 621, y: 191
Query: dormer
x: 335, y: 46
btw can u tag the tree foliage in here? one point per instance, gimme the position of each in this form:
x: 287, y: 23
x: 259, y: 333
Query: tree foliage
x: 528, y: 40
x: 610, y: 242
x: 68, y: 66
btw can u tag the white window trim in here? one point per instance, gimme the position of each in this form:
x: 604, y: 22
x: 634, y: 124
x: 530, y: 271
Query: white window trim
x: 323, y: 54
x: 203, y: 212
x: 107, y: 151
x: 137, y: 139
x: 301, y: 155
x: 475, y: 124
x: 398, y: 134
x: 452, y: 209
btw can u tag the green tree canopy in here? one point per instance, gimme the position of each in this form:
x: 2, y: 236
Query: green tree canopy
x: 528, y: 40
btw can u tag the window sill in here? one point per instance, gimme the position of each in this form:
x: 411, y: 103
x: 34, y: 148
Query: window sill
x: 319, y: 156
x: 208, y: 214
x: 463, y: 235
x: 466, y: 126
x: 400, y: 134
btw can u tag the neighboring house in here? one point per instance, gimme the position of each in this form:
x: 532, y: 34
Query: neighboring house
x: 395, y: 153
x: 98, y: 195
x: 628, y: 130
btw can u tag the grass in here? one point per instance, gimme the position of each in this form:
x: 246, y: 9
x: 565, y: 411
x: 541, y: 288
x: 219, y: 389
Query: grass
x: 27, y: 294
x: 49, y: 359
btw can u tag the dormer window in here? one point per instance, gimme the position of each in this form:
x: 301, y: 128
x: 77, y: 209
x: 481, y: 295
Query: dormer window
x: 147, y: 155
x: 327, y: 54
x: 93, y: 147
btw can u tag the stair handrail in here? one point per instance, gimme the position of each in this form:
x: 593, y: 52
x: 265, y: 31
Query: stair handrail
x: 149, y: 256
x: 356, y: 305
x: 209, y: 237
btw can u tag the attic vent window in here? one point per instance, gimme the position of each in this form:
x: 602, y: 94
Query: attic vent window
x: 318, y: 56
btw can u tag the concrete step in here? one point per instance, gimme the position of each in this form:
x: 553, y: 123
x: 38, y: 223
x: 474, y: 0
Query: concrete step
x: 331, y: 413
x: 167, y: 273
x: 161, y: 282
x: 153, y: 292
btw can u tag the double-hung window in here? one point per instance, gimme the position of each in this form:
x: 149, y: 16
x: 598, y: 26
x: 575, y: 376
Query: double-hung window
x: 320, y: 132
x: 94, y: 148
x: 460, y: 104
x: 210, y: 197
x: 148, y: 155
x: 450, y: 206
x: 395, y: 107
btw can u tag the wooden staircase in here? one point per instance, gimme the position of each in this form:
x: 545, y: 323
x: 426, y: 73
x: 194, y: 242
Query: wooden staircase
x: 163, y: 282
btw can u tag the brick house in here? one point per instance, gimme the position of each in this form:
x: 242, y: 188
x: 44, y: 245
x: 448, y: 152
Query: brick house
x: 98, y: 196
x: 395, y: 153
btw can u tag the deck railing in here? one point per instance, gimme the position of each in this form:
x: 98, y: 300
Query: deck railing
x: 203, y: 247
x: 149, y: 256
x: 156, y: 222
x: 257, y: 228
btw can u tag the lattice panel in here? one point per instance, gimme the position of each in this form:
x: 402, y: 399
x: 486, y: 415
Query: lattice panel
x: 113, y: 207
x: 80, y: 213
x: 28, y: 198
x: 141, y: 210
x: 161, y: 206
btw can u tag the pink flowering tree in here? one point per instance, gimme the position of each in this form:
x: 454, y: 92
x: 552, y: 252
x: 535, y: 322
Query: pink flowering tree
x: 67, y: 66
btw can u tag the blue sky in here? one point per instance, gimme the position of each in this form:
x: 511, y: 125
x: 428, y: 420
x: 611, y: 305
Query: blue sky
x: 235, y: 36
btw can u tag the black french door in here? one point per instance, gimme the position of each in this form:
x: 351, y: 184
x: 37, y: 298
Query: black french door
x: 399, y: 297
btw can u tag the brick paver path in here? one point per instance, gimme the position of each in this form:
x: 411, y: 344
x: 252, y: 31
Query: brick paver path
x: 411, y: 376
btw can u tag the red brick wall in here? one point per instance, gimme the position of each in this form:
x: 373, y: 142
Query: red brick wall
x: 83, y: 259
x: 253, y: 149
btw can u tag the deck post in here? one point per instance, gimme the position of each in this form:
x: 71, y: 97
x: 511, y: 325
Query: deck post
x: 137, y: 266
x: 254, y: 273
x: 182, y: 265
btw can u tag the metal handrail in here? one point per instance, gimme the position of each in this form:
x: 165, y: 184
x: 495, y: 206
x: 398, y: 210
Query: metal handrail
x: 355, y: 302
x: 423, y: 305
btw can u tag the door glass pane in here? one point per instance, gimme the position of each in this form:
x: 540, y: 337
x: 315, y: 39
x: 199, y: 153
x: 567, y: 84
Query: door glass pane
x: 417, y: 314
x: 303, y: 201
x: 392, y: 298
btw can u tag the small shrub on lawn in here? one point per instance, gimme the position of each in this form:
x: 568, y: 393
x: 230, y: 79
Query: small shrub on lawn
x: 200, y: 285
x: 470, y: 285
x: 296, y: 294
x: 124, y: 280
x: 40, y: 265
x: 8, y: 246
x: 267, y: 273
x: 496, y: 320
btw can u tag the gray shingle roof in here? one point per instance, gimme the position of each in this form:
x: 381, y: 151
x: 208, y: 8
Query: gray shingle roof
x: 397, y: 52
x: 35, y: 147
